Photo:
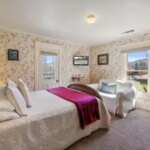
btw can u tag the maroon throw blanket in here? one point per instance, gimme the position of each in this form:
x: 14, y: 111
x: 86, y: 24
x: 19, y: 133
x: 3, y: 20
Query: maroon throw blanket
x: 86, y: 104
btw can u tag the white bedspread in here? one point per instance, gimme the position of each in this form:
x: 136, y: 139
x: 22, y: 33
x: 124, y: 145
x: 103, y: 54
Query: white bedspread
x: 52, y: 124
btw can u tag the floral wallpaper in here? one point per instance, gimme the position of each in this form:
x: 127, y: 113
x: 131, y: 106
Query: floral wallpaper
x: 114, y: 69
x: 25, y: 67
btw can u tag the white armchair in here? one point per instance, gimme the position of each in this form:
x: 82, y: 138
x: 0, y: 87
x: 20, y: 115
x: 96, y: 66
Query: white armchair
x: 120, y: 102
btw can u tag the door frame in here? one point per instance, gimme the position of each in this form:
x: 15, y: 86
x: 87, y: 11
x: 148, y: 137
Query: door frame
x: 45, y: 48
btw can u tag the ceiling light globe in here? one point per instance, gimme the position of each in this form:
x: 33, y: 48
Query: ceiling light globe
x: 91, y: 19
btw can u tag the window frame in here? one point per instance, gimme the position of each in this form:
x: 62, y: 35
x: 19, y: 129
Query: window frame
x: 126, y: 69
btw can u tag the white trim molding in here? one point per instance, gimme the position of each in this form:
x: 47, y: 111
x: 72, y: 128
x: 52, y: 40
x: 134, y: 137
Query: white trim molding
x: 46, y: 48
x: 137, y: 46
x: 124, y: 66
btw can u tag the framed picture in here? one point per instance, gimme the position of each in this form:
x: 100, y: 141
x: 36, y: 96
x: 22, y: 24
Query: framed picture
x: 103, y: 59
x: 13, y: 54
x: 81, y: 60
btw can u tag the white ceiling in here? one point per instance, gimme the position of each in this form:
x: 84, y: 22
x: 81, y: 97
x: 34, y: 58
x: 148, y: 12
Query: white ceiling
x: 65, y: 19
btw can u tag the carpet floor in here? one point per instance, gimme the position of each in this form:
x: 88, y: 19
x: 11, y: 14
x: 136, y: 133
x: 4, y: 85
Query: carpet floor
x: 131, y: 133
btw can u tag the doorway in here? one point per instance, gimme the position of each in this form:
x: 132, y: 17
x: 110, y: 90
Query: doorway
x: 48, y: 74
x: 47, y: 66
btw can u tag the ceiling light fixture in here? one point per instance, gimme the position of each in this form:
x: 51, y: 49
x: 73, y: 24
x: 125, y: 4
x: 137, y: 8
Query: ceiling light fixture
x: 91, y: 19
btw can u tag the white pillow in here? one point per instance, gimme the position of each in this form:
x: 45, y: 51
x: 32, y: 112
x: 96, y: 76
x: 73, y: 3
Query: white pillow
x: 5, y: 105
x: 16, y: 99
x: 6, y: 115
x: 25, y: 92
x: 11, y: 83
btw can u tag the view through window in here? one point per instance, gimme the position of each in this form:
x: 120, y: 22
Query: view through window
x: 48, y: 65
x: 137, y: 70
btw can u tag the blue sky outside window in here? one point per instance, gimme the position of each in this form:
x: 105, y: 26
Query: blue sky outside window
x: 49, y: 59
x: 134, y: 56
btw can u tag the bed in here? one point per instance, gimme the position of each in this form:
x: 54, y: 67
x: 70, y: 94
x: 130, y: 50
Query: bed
x: 52, y: 124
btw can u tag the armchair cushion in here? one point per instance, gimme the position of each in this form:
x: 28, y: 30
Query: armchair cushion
x: 121, y: 86
x: 108, y: 88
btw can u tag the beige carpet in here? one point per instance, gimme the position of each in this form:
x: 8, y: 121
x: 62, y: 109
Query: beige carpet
x: 131, y: 133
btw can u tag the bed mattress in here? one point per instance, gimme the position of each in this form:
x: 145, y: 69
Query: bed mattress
x: 52, y: 124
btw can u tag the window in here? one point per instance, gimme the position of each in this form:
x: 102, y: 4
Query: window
x: 48, y: 66
x: 137, y: 70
